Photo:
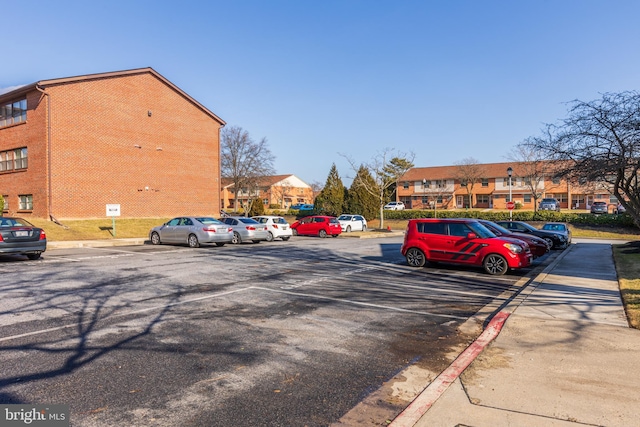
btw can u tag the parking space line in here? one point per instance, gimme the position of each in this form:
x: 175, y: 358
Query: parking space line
x: 366, y: 304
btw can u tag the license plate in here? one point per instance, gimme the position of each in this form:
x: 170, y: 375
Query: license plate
x: 22, y: 234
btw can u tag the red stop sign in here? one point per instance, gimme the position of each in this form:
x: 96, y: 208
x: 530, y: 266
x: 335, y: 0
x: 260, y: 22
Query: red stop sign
x: 511, y: 205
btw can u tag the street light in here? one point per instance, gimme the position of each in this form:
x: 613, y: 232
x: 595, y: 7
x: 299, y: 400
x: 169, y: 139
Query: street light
x: 424, y: 191
x: 509, y: 173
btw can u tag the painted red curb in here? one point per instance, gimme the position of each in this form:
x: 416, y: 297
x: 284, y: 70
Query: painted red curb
x: 437, y: 387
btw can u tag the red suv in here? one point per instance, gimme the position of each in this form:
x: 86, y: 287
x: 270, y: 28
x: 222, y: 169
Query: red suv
x: 462, y: 241
x: 317, y: 225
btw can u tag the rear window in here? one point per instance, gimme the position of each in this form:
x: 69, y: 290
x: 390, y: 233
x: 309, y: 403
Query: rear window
x: 248, y: 220
x: 431, y: 227
x: 279, y: 220
x: 209, y: 221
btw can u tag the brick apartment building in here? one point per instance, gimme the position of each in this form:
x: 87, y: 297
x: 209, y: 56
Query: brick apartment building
x: 70, y: 146
x: 281, y: 190
x: 444, y: 189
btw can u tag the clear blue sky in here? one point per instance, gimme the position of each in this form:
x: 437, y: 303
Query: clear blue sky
x: 447, y: 80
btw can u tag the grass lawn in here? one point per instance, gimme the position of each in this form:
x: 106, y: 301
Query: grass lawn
x: 627, y: 258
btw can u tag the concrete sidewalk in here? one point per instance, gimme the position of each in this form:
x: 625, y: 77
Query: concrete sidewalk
x: 562, y: 356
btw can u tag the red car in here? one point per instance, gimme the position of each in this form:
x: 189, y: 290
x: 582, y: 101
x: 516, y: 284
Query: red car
x: 537, y: 245
x: 317, y: 225
x: 462, y: 241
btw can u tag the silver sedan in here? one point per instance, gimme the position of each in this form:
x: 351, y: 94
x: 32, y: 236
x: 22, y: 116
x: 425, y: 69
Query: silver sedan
x: 192, y: 230
x: 246, y: 229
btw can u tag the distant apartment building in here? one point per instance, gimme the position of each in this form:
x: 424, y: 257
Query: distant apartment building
x: 440, y: 187
x: 277, y: 190
x: 70, y: 146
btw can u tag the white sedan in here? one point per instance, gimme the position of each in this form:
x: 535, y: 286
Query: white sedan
x: 277, y: 226
x: 350, y: 223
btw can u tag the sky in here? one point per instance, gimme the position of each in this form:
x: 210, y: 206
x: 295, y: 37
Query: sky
x: 330, y: 81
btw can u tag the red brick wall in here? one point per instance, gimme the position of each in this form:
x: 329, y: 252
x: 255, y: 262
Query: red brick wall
x: 96, y: 126
x: 31, y: 134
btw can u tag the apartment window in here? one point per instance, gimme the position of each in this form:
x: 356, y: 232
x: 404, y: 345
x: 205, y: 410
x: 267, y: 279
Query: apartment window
x: 13, y: 159
x: 26, y: 202
x: 485, y: 182
x: 527, y: 198
x: 613, y: 199
x: 482, y: 199
x: 405, y: 185
x: 13, y: 112
x: 439, y: 183
x: 6, y: 202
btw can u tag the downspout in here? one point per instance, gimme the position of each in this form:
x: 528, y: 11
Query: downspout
x: 49, y: 186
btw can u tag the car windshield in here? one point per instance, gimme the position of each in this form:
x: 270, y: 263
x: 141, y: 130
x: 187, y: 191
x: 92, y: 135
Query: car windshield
x: 498, y: 227
x: 344, y: 217
x: 481, y: 230
x: 15, y: 222
x: 207, y: 220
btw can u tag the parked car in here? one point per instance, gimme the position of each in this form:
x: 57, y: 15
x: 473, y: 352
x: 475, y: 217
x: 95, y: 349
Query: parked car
x: 245, y: 229
x: 296, y: 206
x: 192, y: 231
x: 19, y: 236
x: 350, y: 223
x: 462, y: 241
x: 558, y: 227
x: 394, y: 206
x: 317, y: 225
x: 599, y: 208
x: 555, y: 240
x: 620, y: 209
x: 549, y: 204
x: 277, y: 227
x: 538, y: 246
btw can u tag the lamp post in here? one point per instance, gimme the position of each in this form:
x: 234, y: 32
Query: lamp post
x: 509, y: 173
x: 424, y: 191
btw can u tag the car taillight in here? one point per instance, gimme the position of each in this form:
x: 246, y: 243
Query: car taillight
x: 275, y: 225
x: 1, y: 239
x: 230, y: 229
x: 42, y: 235
x: 208, y: 229
x: 250, y: 227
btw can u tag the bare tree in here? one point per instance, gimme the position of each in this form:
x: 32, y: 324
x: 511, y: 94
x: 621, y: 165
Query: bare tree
x: 244, y: 161
x: 469, y: 172
x: 385, y: 169
x: 316, y: 188
x: 600, y: 141
x: 532, y: 167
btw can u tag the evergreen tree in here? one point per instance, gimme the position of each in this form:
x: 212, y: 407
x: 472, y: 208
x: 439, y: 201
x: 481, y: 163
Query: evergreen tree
x: 257, y: 207
x: 359, y: 200
x: 331, y: 201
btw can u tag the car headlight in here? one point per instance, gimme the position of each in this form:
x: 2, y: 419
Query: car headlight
x: 516, y: 249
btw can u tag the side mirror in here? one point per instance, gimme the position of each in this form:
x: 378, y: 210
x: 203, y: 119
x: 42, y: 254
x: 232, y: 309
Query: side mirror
x: 472, y: 236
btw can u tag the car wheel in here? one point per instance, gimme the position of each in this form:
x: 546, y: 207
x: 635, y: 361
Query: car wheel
x: 155, y: 238
x: 285, y: 238
x: 415, y: 257
x: 549, y: 241
x: 269, y: 237
x: 495, y: 265
x: 236, y: 239
x: 322, y: 233
x: 348, y: 230
x: 33, y: 257
x: 193, y: 241
x: 220, y: 244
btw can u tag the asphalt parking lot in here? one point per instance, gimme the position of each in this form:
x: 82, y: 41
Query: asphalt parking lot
x: 279, y: 333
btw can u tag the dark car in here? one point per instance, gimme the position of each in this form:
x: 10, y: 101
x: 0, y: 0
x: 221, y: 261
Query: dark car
x: 556, y: 240
x: 317, y: 225
x: 599, y: 208
x: 558, y: 227
x: 462, y: 241
x: 18, y: 236
x: 538, y: 246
